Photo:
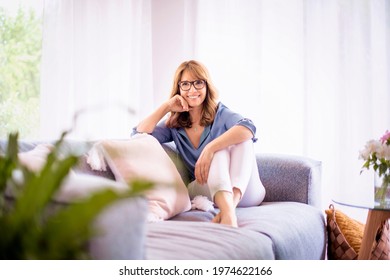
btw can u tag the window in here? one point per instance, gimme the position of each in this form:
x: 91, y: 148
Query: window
x: 20, y: 56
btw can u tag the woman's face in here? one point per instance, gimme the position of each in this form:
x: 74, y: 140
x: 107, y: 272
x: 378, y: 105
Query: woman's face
x: 193, y: 96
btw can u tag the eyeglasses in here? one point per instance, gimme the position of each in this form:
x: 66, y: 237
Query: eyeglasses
x: 186, y: 85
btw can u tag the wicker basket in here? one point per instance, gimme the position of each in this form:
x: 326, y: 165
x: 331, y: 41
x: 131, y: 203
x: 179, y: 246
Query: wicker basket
x: 339, y: 248
x: 381, y: 246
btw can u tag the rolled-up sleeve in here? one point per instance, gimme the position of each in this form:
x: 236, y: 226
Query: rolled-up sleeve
x: 231, y: 119
x: 250, y: 125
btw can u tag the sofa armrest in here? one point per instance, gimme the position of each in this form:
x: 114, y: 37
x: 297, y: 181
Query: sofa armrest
x: 290, y: 178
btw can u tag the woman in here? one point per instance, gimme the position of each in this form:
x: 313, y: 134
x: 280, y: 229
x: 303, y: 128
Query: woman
x: 215, y: 143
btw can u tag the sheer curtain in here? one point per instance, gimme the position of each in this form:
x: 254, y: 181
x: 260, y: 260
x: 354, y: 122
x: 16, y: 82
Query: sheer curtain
x: 96, y: 57
x: 312, y: 74
x: 347, y: 89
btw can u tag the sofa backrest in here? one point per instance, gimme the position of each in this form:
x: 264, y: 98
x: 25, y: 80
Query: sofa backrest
x: 285, y: 177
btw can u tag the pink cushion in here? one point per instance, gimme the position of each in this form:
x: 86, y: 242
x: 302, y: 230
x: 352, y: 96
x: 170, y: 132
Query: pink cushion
x: 142, y: 157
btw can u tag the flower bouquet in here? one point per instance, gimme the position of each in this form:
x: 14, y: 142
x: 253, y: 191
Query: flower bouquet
x: 376, y: 154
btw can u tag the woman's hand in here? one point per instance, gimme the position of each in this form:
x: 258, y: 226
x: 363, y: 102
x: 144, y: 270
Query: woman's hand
x: 202, y: 166
x: 177, y: 104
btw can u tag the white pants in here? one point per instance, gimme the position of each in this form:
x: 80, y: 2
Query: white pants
x: 233, y: 167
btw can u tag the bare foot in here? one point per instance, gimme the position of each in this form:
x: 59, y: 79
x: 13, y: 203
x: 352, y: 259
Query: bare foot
x: 217, y: 218
x: 229, y: 219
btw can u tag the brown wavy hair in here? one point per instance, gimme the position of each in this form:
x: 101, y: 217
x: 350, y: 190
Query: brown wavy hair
x: 210, y: 104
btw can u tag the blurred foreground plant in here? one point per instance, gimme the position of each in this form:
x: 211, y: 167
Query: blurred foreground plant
x: 29, y: 228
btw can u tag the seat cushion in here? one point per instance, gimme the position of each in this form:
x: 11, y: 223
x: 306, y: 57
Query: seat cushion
x: 185, y: 240
x: 297, y: 230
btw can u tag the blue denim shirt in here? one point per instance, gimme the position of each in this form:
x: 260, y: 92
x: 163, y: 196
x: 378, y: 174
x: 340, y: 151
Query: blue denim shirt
x: 224, y: 120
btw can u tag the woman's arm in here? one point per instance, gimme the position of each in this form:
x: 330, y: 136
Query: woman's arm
x: 235, y: 135
x: 175, y: 104
x: 148, y: 124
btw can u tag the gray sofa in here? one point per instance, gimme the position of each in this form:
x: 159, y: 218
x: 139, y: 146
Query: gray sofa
x: 288, y: 225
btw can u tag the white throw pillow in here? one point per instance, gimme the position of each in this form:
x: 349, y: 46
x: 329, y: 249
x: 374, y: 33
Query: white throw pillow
x: 78, y: 186
x: 35, y: 159
x: 74, y: 187
x: 143, y: 158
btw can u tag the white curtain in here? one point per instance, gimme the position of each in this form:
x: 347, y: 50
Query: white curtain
x: 96, y: 59
x: 347, y: 90
x: 312, y: 74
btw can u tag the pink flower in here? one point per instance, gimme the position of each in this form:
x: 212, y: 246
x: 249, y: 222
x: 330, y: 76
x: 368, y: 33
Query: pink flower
x: 385, y: 137
x: 376, y: 154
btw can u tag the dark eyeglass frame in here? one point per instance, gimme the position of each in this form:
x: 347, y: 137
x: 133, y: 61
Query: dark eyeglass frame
x: 193, y: 83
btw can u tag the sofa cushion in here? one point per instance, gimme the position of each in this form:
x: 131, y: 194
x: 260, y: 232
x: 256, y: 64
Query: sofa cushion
x: 178, y: 240
x: 143, y: 158
x: 297, y: 230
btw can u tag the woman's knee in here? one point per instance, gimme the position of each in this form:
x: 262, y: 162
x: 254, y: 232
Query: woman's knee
x: 246, y: 146
x: 221, y: 155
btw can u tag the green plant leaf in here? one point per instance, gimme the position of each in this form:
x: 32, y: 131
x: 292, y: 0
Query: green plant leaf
x: 366, y: 164
x: 39, y: 189
x: 8, y: 161
x: 30, y: 229
x: 382, y: 169
x: 7, y: 165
